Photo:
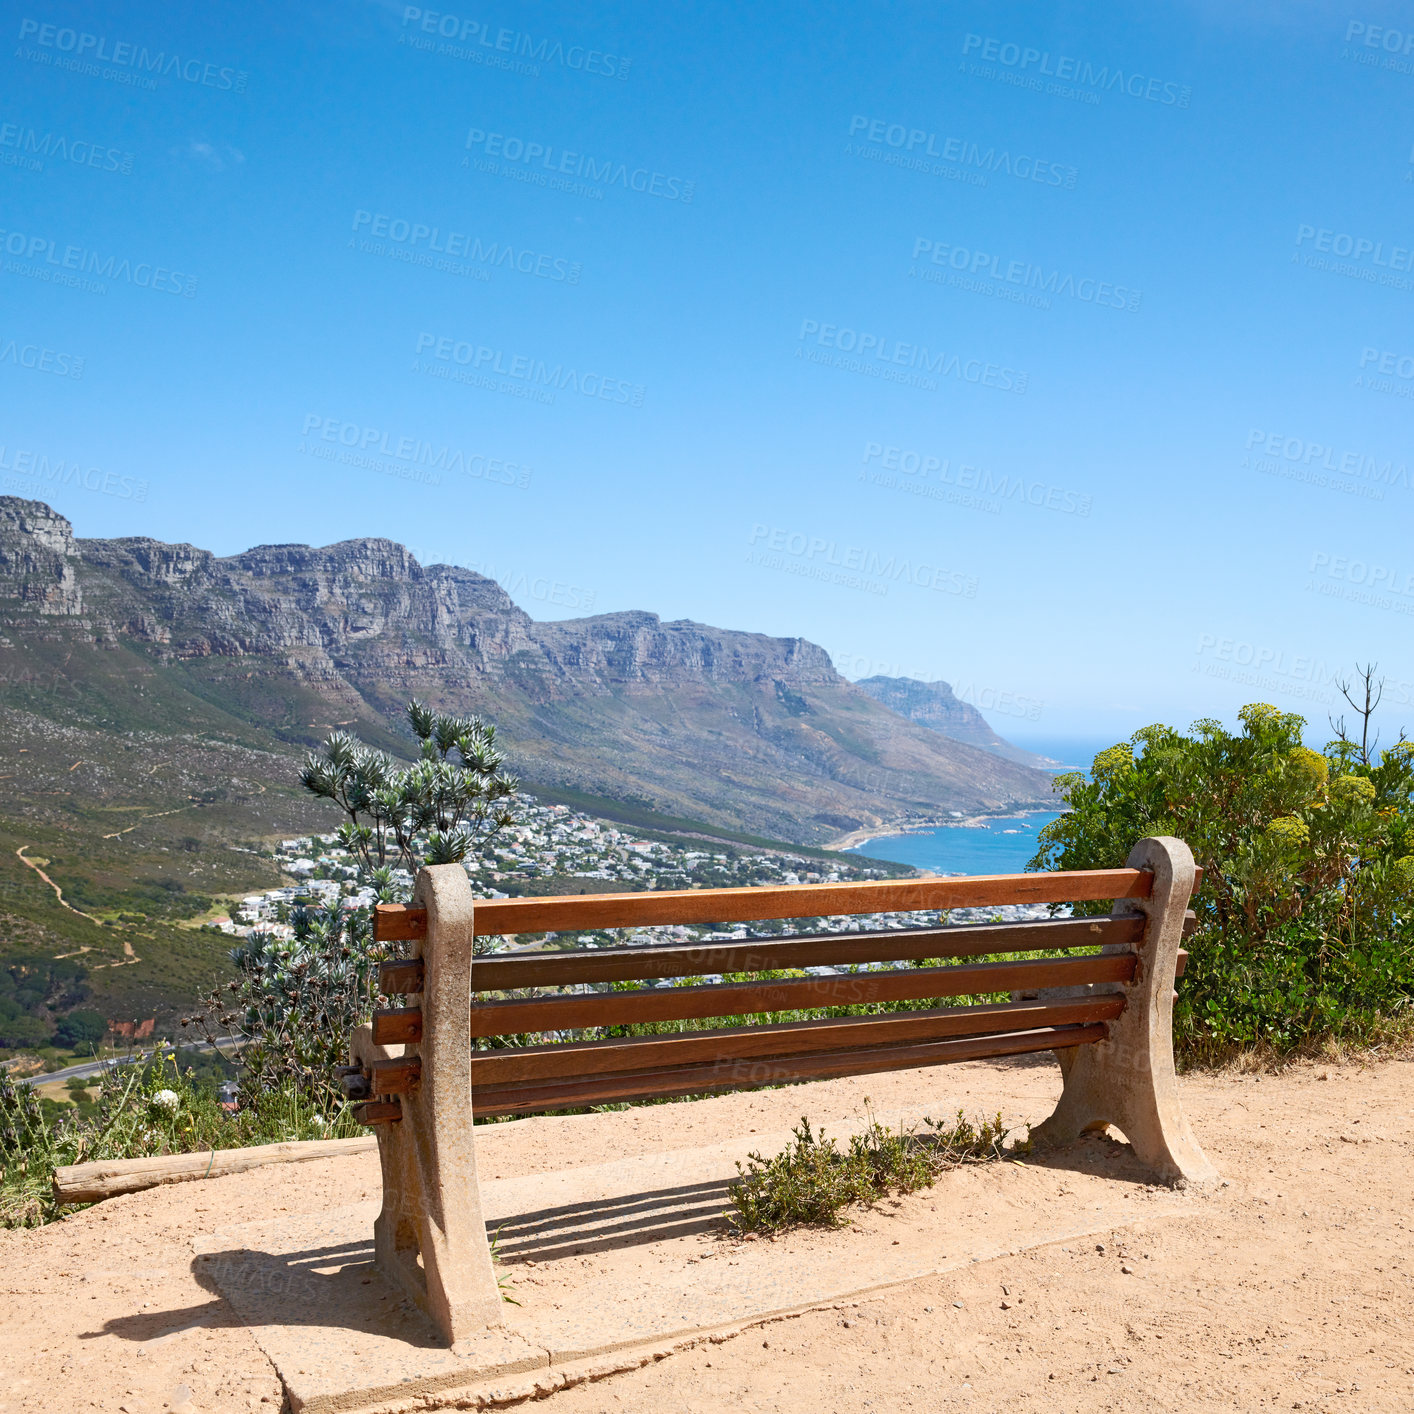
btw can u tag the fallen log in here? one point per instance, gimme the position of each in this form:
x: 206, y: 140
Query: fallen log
x: 107, y: 1178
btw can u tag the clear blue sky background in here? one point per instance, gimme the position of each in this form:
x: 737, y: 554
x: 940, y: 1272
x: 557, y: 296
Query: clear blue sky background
x: 1194, y: 581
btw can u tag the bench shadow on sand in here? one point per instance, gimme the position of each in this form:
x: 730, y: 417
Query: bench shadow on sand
x: 338, y: 1283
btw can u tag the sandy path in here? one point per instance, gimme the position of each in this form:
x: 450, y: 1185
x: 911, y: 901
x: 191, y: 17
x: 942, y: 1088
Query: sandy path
x: 1290, y: 1288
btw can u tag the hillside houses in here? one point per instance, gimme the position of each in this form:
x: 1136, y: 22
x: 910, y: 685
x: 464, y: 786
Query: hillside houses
x: 560, y: 843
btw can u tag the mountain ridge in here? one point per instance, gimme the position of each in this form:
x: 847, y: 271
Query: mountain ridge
x: 728, y: 726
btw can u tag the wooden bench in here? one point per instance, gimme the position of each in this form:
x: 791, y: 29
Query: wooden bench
x: 1107, y: 1015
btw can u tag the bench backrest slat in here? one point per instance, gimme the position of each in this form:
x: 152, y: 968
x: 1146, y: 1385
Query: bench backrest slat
x: 539, y: 915
x: 505, y: 972
x: 566, y: 1013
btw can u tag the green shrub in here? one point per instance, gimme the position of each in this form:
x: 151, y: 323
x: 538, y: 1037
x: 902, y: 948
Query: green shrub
x: 1306, y: 914
x: 812, y: 1180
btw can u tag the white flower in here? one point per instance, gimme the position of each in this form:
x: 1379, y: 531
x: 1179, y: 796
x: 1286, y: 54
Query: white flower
x: 318, y: 1122
x: 166, y: 1100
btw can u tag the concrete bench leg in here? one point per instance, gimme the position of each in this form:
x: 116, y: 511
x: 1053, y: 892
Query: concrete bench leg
x: 431, y: 1197
x: 1128, y: 1079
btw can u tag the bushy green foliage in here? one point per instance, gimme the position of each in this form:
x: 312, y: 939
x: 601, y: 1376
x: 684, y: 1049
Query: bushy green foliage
x: 1306, y: 914
x: 812, y: 1180
x: 149, y: 1108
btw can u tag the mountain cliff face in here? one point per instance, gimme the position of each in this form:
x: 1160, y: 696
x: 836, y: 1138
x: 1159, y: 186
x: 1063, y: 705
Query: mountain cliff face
x: 935, y: 705
x: 36, y: 558
x: 738, y: 729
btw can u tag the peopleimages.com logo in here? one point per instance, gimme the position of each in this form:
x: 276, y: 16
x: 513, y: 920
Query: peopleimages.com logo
x: 1357, y: 581
x: 1277, y: 670
x: 899, y: 145
x: 438, y: 32
x: 133, y: 64
x: 1343, y: 243
x: 1364, y: 573
x: 40, y: 359
x: 1041, y: 63
x: 1320, y: 464
x: 523, y: 375
x: 48, y: 474
x: 43, y: 258
x: 1384, y: 371
x: 1355, y: 257
x: 423, y: 244
x: 27, y: 147
x: 986, y: 487
x: 1267, y: 668
x: 544, y: 163
x: 817, y: 557
x: 1379, y: 46
x: 1385, y: 361
x: 521, y: 585
x: 973, y: 269
x: 409, y: 457
x: 982, y: 696
x: 897, y: 361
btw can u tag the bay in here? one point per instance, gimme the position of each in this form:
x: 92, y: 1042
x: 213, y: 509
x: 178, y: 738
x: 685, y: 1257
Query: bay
x: 990, y: 844
x: 996, y: 845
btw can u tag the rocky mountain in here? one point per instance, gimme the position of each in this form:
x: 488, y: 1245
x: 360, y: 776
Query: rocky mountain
x: 935, y: 705
x: 279, y: 643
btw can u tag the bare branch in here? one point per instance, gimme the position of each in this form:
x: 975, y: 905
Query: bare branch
x: 1364, y: 699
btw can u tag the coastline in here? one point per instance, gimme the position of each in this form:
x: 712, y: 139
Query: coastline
x: 857, y: 839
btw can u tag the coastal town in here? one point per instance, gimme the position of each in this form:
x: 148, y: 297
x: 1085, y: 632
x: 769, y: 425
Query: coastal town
x: 554, y: 848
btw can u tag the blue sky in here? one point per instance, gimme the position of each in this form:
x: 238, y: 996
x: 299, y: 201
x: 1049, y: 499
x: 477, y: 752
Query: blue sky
x: 1061, y: 352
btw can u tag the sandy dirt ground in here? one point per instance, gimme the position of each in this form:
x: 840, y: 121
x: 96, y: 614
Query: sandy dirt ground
x: 1290, y: 1287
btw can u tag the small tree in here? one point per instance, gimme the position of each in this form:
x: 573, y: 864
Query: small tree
x: 295, y: 1000
x: 436, y: 811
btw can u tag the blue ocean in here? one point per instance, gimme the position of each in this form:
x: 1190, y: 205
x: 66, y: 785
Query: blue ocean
x: 997, y: 845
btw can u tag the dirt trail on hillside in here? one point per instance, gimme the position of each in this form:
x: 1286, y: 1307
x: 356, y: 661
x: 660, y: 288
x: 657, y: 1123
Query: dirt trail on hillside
x: 1292, y: 1287
x: 58, y: 892
x: 129, y: 956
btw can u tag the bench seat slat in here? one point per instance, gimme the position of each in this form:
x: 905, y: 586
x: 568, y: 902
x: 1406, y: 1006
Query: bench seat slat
x: 577, y: 1060
x: 632, y: 964
x: 751, y: 998
x: 736, y: 1075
